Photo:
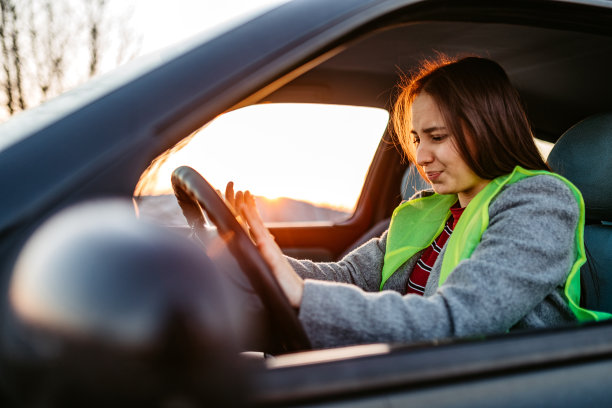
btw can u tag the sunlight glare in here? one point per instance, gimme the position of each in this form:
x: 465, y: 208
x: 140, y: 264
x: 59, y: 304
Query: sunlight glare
x: 310, y: 152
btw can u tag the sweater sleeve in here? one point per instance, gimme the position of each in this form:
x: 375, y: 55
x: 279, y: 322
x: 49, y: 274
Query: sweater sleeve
x: 524, y: 256
x: 361, y: 267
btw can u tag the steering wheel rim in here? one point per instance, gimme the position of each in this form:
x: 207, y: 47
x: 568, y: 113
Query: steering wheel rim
x: 194, y: 195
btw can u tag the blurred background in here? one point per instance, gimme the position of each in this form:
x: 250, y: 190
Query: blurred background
x: 51, y: 46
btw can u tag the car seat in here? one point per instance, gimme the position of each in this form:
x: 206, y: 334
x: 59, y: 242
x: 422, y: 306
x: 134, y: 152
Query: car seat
x: 411, y: 183
x: 583, y: 155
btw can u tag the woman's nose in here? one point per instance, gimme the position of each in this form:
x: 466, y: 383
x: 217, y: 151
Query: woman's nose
x: 423, y: 155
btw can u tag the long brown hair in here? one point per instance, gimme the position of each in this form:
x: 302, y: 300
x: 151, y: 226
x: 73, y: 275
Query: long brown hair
x: 477, y: 101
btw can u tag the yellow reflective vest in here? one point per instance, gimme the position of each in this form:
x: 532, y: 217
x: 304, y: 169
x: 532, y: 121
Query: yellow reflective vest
x: 416, y: 223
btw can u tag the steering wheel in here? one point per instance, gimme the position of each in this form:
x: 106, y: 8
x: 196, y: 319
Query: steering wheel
x: 195, y: 194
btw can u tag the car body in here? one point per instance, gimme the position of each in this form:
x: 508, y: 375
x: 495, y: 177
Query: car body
x: 96, y: 141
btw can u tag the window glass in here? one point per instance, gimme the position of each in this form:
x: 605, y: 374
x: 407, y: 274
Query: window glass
x: 544, y: 147
x: 303, y: 162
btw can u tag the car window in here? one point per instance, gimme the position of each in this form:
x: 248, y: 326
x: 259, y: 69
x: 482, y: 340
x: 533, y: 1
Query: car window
x: 303, y: 162
x: 544, y: 147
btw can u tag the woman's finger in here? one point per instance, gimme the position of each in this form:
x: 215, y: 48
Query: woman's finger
x: 229, y: 194
x: 238, y: 201
x: 263, y: 238
x: 251, y: 215
x: 291, y: 284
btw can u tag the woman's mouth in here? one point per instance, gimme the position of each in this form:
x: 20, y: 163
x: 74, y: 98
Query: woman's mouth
x: 433, y: 175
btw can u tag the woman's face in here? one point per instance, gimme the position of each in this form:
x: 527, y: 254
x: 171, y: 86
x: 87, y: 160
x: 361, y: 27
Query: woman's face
x: 437, y: 154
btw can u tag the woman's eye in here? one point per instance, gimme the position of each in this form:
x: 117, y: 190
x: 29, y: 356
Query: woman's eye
x: 438, y: 138
x: 415, y: 140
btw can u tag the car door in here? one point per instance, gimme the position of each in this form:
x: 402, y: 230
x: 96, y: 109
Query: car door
x: 552, y: 368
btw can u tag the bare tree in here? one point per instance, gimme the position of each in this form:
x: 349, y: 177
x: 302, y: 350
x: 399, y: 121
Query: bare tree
x: 49, y: 43
x: 16, y: 51
x: 7, y: 36
x: 96, y: 16
x: 48, y: 46
x: 129, y: 43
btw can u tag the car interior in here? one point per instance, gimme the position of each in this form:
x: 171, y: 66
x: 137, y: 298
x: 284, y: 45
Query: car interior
x: 556, y: 71
x: 589, y: 138
x: 559, y: 70
x: 556, y: 66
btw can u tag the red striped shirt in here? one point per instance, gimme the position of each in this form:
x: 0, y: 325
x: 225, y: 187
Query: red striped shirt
x: 420, y: 273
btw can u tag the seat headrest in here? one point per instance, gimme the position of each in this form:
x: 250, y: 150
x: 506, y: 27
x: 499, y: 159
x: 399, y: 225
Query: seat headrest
x: 583, y: 155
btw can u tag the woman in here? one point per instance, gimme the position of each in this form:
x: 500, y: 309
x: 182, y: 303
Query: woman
x: 504, y: 229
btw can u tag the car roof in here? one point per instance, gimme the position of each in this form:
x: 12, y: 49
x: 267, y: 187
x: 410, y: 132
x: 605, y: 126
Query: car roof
x: 557, y: 65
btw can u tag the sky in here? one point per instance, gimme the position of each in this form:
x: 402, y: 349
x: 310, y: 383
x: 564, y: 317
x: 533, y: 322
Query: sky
x: 162, y: 25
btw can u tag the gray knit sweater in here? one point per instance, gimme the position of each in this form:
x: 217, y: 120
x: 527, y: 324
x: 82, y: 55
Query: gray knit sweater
x: 514, y: 279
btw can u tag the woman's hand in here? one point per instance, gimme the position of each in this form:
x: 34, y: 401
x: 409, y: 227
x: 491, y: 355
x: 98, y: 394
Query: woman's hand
x: 290, y: 282
x: 232, y: 198
x: 234, y: 201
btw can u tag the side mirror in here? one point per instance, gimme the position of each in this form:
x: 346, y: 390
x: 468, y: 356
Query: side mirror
x: 105, y: 310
